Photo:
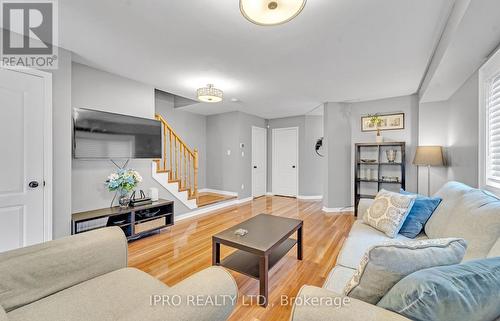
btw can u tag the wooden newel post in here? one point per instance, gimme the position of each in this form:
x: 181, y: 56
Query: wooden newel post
x: 195, y: 164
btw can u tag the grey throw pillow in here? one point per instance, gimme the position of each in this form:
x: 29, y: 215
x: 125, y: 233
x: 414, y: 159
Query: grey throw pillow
x: 385, y: 265
x: 468, y: 291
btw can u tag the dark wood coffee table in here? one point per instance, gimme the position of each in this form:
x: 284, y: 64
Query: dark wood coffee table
x: 268, y: 240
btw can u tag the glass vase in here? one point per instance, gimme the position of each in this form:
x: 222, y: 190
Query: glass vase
x: 123, y: 199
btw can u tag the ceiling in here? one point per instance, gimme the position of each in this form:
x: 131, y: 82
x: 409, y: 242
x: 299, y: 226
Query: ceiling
x: 472, y: 35
x: 335, y: 50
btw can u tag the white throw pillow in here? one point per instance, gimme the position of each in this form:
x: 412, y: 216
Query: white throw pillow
x: 385, y: 265
x: 389, y: 211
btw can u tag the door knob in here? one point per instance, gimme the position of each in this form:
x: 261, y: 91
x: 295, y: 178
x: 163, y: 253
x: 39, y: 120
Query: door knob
x: 33, y: 184
x: 255, y: 167
x: 293, y: 166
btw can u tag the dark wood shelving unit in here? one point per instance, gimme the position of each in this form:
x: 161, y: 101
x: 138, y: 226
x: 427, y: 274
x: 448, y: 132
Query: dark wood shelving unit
x: 136, y: 222
x: 379, y: 164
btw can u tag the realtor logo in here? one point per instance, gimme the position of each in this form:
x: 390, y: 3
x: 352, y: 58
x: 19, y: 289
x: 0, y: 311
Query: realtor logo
x: 29, y: 34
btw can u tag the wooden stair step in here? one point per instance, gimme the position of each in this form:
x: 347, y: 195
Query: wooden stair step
x: 163, y: 171
x: 174, y: 181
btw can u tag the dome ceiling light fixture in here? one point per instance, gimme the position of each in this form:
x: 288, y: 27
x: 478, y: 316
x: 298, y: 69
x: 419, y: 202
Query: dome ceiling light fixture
x: 209, y: 94
x: 271, y: 12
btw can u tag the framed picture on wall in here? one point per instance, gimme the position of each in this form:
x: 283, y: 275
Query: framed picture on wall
x: 388, y: 122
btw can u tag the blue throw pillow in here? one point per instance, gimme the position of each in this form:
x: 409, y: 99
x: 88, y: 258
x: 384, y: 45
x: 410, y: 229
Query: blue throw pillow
x: 468, y: 291
x: 419, y: 214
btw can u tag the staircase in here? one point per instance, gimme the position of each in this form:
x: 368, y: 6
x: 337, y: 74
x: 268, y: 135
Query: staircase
x: 177, y: 171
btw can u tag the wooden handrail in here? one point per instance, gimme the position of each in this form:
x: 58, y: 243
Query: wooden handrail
x: 164, y: 122
x: 179, y: 160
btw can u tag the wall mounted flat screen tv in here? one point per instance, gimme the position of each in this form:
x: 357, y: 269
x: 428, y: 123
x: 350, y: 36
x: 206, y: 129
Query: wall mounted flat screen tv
x: 103, y: 135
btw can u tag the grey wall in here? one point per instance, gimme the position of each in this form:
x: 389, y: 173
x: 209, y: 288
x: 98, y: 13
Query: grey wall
x: 337, y: 164
x: 61, y: 146
x: 433, y: 130
x: 246, y: 122
x: 222, y: 136
x: 312, y: 182
x: 463, y: 129
x: 225, y: 132
x: 191, y: 127
x: 95, y: 89
x: 454, y: 125
x: 406, y: 104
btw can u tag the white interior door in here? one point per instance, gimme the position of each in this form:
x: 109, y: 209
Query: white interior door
x: 259, y: 160
x: 285, y: 161
x: 22, y: 106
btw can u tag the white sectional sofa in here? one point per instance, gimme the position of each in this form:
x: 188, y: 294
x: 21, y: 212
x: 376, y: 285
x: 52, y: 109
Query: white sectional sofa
x: 464, y: 212
x: 85, y: 277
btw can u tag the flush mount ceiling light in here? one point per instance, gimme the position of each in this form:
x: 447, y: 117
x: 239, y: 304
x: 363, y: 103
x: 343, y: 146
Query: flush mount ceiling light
x: 209, y: 94
x: 271, y: 12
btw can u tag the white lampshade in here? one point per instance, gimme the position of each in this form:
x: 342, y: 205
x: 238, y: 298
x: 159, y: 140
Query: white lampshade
x: 271, y: 12
x: 429, y: 156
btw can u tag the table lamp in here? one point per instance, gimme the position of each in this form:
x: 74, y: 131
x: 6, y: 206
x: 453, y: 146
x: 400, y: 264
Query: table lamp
x: 429, y: 156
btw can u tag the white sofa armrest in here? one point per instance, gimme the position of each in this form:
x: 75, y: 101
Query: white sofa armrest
x: 34, y: 272
x: 314, y: 304
x: 209, y: 295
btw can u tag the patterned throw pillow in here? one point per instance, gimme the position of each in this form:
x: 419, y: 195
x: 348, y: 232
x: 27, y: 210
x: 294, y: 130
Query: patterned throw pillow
x: 385, y: 265
x: 389, y: 211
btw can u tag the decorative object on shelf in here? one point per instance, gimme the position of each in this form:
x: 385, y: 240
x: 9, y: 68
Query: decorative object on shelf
x: 387, y: 122
x: 210, y: 94
x: 153, y: 193
x: 123, y: 182
x: 429, y: 156
x: 271, y: 12
x: 368, y: 161
x: 390, y: 179
x: 141, y: 200
x: 241, y: 232
x: 391, y: 155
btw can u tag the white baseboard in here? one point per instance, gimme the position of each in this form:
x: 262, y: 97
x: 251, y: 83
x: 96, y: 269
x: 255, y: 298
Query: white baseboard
x: 209, y: 190
x: 269, y: 194
x: 212, y: 208
x: 245, y: 200
x: 338, y: 209
x: 310, y: 197
x: 206, y: 209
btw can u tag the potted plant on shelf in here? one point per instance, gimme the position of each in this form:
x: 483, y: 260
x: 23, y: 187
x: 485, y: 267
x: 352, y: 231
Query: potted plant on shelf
x: 122, y: 183
x: 376, y: 120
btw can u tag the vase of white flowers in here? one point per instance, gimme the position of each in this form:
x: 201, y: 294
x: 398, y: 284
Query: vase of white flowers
x: 122, y: 183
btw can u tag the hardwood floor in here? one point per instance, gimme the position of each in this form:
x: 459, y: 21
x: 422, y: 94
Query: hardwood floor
x: 185, y: 249
x: 209, y: 198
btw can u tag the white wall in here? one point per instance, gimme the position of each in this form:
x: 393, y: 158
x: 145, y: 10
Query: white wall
x: 95, y: 89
